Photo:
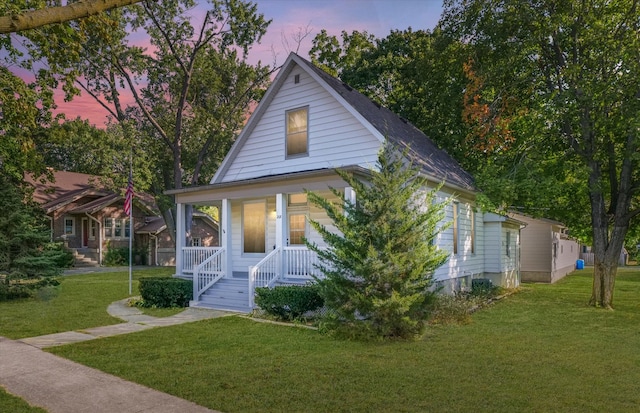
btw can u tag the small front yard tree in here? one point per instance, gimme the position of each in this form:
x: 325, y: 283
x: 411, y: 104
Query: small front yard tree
x: 379, y: 265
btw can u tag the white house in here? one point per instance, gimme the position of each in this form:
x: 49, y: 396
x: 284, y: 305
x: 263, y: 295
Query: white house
x: 307, y: 125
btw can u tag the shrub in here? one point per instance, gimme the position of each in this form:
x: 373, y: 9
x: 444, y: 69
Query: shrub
x: 119, y: 256
x: 483, y: 287
x: 165, y: 292
x: 289, y: 302
x: 116, y: 256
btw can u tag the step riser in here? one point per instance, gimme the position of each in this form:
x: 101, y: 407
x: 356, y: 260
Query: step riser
x: 229, y: 295
x: 227, y: 304
x: 229, y: 290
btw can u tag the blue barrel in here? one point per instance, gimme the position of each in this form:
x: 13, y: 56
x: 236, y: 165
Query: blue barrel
x: 580, y: 265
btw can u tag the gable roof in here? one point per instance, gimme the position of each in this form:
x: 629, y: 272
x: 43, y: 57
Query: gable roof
x: 66, y: 185
x: 383, y: 123
x: 69, y: 187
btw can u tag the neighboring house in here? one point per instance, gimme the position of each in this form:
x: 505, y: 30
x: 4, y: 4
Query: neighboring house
x: 308, y: 124
x: 547, y: 251
x: 162, y: 249
x: 90, y: 219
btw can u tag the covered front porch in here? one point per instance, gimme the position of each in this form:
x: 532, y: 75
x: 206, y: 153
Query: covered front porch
x: 262, y: 227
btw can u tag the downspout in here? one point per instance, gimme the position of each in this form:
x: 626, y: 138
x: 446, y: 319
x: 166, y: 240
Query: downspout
x: 91, y: 217
x: 155, y: 247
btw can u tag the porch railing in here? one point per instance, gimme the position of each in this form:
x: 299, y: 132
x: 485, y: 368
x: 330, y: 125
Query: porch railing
x: 193, y: 256
x: 207, y: 273
x: 265, y: 273
x: 300, y: 262
x: 280, y: 264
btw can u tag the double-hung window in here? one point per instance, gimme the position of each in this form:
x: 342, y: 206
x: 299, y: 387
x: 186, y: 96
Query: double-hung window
x: 116, y: 228
x: 297, y: 139
x: 69, y: 226
x: 297, y: 214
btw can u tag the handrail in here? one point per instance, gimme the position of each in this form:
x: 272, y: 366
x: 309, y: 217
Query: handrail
x: 207, y: 273
x: 192, y: 256
x: 265, y: 273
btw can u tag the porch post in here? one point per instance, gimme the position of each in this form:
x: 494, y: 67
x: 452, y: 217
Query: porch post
x: 349, y: 195
x: 180, y: 240
x: 225, y: 237
x: 281, y: 219
x: 282, y: 240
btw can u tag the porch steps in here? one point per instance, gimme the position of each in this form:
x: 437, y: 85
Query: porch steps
x: 81, y: 260
x: 227, y: 294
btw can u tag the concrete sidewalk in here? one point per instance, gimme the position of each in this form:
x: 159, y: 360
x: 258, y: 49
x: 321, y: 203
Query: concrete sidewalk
x: 136, y: 321
x: 59, y: 385
x: 62, y: 386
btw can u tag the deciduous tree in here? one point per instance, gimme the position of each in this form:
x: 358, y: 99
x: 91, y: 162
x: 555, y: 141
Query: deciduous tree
x: 570, y: 72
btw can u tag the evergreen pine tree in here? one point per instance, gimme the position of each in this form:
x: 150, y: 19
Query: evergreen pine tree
x: 26, y: 252
x: 378, y: 267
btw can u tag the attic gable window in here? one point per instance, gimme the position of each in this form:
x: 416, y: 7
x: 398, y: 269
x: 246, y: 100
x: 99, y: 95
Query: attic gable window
x: 297, y: 132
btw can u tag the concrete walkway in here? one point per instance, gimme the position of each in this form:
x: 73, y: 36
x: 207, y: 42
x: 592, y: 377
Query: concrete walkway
x: 59, y: 385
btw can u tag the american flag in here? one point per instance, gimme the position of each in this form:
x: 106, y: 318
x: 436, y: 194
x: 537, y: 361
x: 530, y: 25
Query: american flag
x: 128, y: 196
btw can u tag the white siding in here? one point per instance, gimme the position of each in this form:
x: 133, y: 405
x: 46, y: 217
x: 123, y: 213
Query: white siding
x: 465, y: 263
x: 336, y: 137
x: 493, y: 247
x: 509, y: 262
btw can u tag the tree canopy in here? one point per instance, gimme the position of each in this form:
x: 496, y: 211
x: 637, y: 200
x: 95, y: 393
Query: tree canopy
x: 566, y: 75
x: 539, y: 101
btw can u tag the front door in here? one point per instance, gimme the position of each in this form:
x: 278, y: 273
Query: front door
x: 254, y: 228
x: 85, y: 232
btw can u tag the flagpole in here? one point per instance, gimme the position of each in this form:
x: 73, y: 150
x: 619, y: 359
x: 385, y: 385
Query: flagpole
x: 130, y: 189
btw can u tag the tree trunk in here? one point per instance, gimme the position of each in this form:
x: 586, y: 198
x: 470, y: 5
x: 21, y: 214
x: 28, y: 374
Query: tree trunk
x: 604, y: 276
x: 169, y: 221
x: 36, y: 18
x: 607, y: 241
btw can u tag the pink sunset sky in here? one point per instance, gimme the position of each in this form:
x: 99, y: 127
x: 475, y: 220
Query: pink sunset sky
x: 377, y: 17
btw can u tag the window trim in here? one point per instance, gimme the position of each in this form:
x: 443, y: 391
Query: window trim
x: 93, y: 229
x: 124, y: 228
x: 305, y: 229
x: 286, y: 133
x: 292, y: 204
x: 72, y: 233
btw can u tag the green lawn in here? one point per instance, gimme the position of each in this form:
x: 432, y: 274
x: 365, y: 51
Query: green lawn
x: 541, y: 350
x: 80, y: 301
x: 13, y: 404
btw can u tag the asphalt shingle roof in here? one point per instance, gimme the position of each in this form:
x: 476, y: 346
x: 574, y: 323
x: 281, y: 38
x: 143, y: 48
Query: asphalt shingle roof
x: 421, y: 149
